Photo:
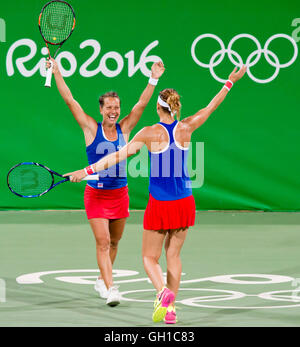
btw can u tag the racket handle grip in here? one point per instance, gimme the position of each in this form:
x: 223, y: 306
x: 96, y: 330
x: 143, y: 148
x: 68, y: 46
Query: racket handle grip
x: 91, y: 178
x: 49, y: 75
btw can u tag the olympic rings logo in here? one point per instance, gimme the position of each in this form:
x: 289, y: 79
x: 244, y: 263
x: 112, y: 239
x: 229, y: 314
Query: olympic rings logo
x: 236, y: 59
x: 205, y: 296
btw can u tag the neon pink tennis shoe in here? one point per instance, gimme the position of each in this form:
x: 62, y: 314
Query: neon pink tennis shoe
x: 163, y: 299
x: 170, y: 317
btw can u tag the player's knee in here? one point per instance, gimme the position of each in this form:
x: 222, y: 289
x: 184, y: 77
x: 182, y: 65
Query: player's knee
x: 172, y: 253
x: 150, y: 259
x: 103, y: 244
x: 114, y: 244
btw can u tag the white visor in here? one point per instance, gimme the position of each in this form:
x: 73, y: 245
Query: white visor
x: 164, y: 104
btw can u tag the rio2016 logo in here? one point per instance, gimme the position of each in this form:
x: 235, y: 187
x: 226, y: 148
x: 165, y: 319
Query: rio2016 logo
x: 135, y: 64
x: 205, y: 292
x: 103, y: 68
x: 2, y: 290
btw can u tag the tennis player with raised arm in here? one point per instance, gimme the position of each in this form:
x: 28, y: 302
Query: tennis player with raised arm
x: 171, y: 206
x: 107, y: 201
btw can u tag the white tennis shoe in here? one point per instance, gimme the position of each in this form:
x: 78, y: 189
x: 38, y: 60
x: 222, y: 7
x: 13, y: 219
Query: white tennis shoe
x: 113, y: 298
x: 100, y: 287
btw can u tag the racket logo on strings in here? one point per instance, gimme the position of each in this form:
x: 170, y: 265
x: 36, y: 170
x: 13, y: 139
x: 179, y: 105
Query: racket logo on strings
x: 29, y: 179
x: 56, y: 24
x: 32, y: 180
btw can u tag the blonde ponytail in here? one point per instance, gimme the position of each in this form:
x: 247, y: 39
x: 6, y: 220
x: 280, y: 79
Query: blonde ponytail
x: 175, y: 105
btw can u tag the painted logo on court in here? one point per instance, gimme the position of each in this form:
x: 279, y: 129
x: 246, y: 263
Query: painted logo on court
x: 235, y: 291
x: 2, y: 291
x: 252, y: 58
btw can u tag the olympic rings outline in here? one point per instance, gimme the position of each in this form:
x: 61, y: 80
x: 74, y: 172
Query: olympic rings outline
x: 258, y: 52
x: 227, y: 296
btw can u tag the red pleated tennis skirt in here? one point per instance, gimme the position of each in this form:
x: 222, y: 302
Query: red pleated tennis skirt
x: 106, y: 203
x: 166, y: 215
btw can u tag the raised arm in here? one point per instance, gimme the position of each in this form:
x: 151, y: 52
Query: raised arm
x: 85, y: 122
x: 130, y: 121
x: 195, y: 121
x: 113, y: 158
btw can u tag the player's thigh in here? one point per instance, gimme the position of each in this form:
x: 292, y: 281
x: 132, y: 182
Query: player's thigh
x: 100, y: 227
x: 152, y: 243
x: 174, y: 241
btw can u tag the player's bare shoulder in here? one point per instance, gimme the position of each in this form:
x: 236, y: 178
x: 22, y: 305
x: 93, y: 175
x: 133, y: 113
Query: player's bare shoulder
x: 157, y: 133
x: 152, y: 136
x: 183, y: 131
x: 182, y: 126
x: 151, y: 131
x: 184, y: 123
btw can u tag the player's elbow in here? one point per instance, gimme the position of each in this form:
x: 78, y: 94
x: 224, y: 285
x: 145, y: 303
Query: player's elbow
x: 142, y: 104
x: 69, y: 101
x: 204, y: 113
x: 209, y: 110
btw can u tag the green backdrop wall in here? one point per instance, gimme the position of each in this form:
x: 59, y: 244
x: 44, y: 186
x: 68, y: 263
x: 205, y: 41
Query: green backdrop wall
x: 248, y: 151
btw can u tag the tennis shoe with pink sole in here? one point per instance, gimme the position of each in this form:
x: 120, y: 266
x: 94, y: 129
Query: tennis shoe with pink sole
x: 170, y: 317
x: 163, y: 299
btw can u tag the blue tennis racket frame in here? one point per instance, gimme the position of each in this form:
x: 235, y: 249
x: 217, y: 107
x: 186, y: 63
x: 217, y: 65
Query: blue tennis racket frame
x: 66, y: 179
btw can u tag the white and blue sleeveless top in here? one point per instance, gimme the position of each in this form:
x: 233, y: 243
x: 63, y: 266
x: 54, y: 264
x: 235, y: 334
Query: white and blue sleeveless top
x: 169, y: 178
x: 115, y: 176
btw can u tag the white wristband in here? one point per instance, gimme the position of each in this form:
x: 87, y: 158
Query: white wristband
x: 153, y: 81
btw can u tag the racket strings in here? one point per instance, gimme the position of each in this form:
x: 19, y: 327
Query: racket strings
x: 30, y: 180
x: 56, y: 22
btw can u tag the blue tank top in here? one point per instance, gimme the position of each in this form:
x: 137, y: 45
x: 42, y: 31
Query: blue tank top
x: 169, y: 178
x: 115, y: 176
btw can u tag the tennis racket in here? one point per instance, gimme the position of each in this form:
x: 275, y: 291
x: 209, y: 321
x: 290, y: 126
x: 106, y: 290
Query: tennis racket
x: 56, y: 24
x: 31, y: 180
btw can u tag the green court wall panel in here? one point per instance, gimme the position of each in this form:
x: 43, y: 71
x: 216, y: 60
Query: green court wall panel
x: 248, y: 150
